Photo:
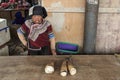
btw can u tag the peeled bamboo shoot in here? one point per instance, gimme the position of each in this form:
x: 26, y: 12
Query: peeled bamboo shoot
x: 71, y: 68
x: 63, y: 71
x: 49, y: 68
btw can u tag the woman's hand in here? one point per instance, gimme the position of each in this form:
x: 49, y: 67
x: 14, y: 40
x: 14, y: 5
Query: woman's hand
x: 22, y: 39
x: 53, y: 52
x: 52, y: 41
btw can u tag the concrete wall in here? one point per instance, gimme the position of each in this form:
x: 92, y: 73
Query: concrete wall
x: 108, y: 30
x: 67, y: 18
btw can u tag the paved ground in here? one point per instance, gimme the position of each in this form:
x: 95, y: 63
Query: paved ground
x: 89, y: 67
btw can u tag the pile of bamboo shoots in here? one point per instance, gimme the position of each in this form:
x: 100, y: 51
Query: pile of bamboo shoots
x: 67, y: 66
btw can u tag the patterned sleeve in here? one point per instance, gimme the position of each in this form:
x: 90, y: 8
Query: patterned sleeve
x: 22, y: 29
x: 50, y: 32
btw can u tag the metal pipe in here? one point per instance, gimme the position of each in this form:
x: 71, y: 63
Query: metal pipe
x: 91, y: 19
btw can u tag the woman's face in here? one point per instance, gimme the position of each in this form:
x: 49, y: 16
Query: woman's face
x: 37, y: 19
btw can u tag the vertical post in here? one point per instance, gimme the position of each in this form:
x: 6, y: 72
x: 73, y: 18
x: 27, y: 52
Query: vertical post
x: 91, y: 19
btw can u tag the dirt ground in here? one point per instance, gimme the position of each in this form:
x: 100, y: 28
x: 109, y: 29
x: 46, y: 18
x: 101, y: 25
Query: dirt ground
x: 15, y: 45
x: 89, y: 67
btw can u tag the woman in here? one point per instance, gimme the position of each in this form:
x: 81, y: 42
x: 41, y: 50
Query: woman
x: 40, y: 37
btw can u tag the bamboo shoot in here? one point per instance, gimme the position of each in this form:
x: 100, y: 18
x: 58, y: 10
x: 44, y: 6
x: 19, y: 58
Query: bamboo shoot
x: 49, y: 68
x: 63, y: 71
x: 72, y: 70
